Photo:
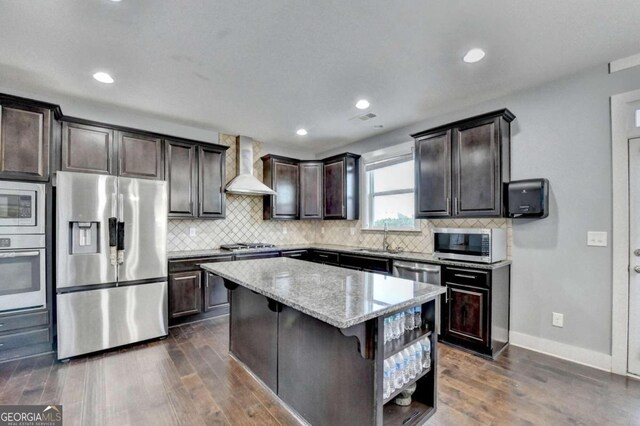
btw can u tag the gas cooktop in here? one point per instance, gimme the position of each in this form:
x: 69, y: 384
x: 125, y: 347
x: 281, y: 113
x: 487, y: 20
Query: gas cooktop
x: 245, y: 246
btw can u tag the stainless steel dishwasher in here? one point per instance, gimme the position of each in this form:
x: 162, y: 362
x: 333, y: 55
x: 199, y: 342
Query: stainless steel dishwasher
x: 423, y: 272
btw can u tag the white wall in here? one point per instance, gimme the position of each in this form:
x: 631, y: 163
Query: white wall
x: 562, y: 132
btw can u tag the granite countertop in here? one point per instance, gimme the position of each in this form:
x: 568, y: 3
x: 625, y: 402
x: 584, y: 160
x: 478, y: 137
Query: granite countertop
x: 338, y: 296
x: 406, y: 256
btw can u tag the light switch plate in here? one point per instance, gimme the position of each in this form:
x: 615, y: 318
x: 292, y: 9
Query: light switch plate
x: 284, y: 230
x: 352, y: 230
x: 597, y: 239
x: 192, y: 232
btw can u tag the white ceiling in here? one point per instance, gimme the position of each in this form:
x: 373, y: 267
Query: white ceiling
x: 264, y: 68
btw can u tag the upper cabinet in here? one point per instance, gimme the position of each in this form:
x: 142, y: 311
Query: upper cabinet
x: 461, y: 168
x: 25, y: 138
x: 89, y: 147
x: 341, y: 176
x: 139, y: 156
x: 282, y: 175
x: 182, y: 174
x: 196, y: 174
x: 212, y: 179
x: 311, y: 187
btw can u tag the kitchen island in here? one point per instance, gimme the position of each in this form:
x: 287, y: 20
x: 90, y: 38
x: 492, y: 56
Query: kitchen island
x: 313, y: 334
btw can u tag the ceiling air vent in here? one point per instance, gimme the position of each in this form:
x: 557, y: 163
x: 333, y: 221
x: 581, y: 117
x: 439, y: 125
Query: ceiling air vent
x: 367, y: 116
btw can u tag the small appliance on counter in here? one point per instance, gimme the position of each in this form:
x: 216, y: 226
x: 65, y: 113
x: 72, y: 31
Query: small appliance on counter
x: 482, y: 245
x: 112, y: 261
x: 528, y: 198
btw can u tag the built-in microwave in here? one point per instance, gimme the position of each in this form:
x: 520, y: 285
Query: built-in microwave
x: 21, y: 208
x: 485, y: 245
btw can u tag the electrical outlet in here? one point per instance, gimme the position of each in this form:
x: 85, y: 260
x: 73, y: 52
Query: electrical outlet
x: 558, y: 320
x: 284, y: 230
x: 597, y: 239
x: 322, y: 229
x: 352, y: 230
x: 192, y: 232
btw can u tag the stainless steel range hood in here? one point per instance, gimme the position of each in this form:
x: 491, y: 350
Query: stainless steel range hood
x: 246, y: 183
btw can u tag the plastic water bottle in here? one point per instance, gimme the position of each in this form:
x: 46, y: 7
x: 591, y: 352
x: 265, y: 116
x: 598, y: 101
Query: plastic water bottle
x: 391, y: 384
x: 387, y: 329
x: 417, y: 348
x: 400, y: 329
x: 399, y: 377
x: 417, y: 316
x: 408, y: 319
x: 426, y: 353
x: 387, y: 378
x: 406, y: 373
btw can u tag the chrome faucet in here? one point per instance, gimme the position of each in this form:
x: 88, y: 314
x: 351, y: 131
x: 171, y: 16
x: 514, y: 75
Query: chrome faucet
x: 385, y: 243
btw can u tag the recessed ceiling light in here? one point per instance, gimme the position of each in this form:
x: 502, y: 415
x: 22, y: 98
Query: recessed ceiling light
x: 103, y: 77
x: 474, y: 55
x: 362, y: 104
x: 301, y: 132
x: 116, y: 1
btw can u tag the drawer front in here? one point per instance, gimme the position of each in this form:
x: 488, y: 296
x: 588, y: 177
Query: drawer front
x: 468, y: 277
x: 261, y: 255
x: 295, y: 254
x: 327, y: 257
x: 15, y: 322
x: 366, y: 263
x: 184, y: 265
x: 24, y: 338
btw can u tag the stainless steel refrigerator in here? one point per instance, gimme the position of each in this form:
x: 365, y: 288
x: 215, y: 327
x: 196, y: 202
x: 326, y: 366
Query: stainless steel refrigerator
x: 111, y: 286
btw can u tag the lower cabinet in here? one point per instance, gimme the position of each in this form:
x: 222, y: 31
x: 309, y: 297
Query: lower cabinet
x: 185, y: 295
x: 475, y: 309
x: 215, y: 294
x: 25, y: 334
x: 195, y: 294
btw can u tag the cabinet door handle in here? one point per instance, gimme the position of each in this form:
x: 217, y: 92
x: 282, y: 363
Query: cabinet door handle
x: 448, y: 205
x: 471, y: 277
x: 455, y: 205
x: 446, y: 294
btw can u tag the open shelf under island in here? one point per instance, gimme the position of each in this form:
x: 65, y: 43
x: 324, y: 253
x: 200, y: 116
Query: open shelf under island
x: 314, y: 335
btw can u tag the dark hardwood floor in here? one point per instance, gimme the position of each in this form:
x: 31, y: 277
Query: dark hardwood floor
x: 189, y: 379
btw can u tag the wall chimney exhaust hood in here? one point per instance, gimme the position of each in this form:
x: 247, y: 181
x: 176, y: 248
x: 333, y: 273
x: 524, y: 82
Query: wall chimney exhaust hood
x: 245, y: 183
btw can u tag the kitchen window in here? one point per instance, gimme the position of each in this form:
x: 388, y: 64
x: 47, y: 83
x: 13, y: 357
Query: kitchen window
x: 389, y: 189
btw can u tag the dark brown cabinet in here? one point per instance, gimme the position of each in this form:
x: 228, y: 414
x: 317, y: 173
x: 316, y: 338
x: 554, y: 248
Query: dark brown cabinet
x: 185, y: 294
x: 91, y: 147
x: 433, y: 175
x: 86, y: 148
x: 461, y: 168
x: 311, y: 190
x: 25, y: 138
x: 340, y: 187
x: 326, y: 189
x: 475, y: 309
x: 196, y: 175
x: 181, y: 172
x: 215, y: 293
x: 195, y: 294
x: 282, y: 175
x: 139, y: 156
x: 212, y: 178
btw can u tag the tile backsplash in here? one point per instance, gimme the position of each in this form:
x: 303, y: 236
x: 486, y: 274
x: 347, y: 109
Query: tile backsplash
x: 244, y: 222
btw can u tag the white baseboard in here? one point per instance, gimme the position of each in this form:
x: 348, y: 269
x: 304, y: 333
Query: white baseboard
x: 575, y: 354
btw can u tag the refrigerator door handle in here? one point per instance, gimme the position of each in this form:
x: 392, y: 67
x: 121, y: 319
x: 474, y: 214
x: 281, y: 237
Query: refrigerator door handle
x: 120, y: 229
x: 114, y: 205
x: 113, y: 240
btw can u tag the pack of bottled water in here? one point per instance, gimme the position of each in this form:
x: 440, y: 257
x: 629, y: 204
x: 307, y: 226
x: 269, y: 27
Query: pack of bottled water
x: 397, y: 324
x: 405, y: 366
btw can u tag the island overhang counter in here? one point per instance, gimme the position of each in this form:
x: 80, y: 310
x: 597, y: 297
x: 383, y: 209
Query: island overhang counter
x: 314, y: 335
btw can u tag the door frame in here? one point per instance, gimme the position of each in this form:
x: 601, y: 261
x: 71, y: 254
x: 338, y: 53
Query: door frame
x: 620, y: 135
